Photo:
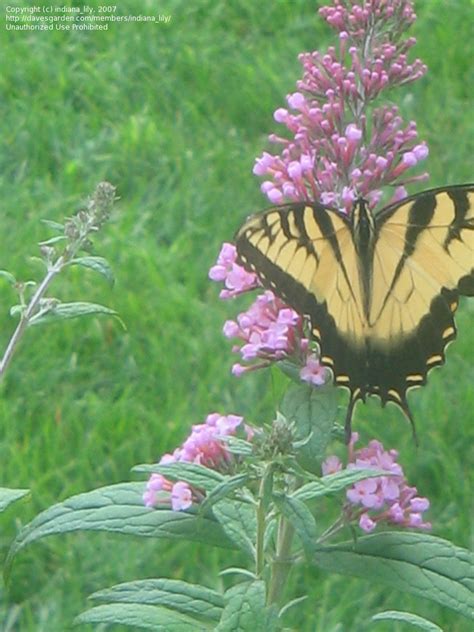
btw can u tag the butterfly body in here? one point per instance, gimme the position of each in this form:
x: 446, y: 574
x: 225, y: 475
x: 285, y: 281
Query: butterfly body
x: 380, y: 290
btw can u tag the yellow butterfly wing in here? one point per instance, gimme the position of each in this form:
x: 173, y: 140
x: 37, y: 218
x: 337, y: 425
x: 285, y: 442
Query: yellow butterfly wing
x: 423, y: 260
x: 305, y: 254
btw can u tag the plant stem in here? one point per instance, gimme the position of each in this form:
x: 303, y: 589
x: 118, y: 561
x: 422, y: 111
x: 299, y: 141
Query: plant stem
x: 332, y: 529
x: 282, y: 562
x: 266, y: 485
x: 27, y: 314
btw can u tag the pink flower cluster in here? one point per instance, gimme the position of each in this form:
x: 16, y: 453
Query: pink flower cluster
x: 269, y: 330
x: 347, y: 16
x: 337, y: 151
x: 234, y: 276
x: 203, y: 446
x: 382, y: 499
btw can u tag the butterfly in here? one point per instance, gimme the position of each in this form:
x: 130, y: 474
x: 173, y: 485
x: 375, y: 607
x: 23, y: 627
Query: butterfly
x: 380, y: 291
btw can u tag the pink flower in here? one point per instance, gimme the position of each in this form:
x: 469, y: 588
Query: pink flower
x: 181, y: 496
x: 156, y: 483
x: 268, y: 331
x: 382, y: 498
x: 366, y: 523
x: 331, y: 465
x: 365, y: 493
x: 419, y: 504
x: 313, y: 371
x: 235, y: 277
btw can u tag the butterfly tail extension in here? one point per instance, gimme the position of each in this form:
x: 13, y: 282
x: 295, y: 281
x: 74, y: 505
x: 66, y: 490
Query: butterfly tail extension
x: 401, y: 401
x: 354, y: 397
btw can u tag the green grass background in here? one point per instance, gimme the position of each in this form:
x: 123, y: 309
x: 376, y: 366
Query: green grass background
x: 174, y: 116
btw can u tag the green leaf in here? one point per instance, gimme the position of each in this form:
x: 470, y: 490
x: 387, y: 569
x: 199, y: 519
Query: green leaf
x: 192, y: 473
x: 301, y: 518
x: 64, y: 311
x: 239, y: 522
x: 52, y: 240
x: 9, y: 277
x: 119, y: 509
x: 335, y: 482
x: 235, y: 570
x: 291, y: 604
x: 238, y: 446
x: 98, y: 264
x: 290, y: 369
x: 17, y: 310
x: 313, y: 411
x: 407, y: 617
x: 223, y: 490
x: 141, y: 616
x: 53, y: 225
x: 9, y: 496
x: 417, y: 563
x: 246, y: 610
x: 191, y: 599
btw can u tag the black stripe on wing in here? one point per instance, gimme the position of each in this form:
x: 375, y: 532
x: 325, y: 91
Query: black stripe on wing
x: 346, y: 360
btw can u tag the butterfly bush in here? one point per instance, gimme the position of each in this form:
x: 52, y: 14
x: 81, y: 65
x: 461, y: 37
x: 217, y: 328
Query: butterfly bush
x: 385, y: 499
x: 336, y: 148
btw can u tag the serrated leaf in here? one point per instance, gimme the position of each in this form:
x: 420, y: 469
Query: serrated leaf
x: 143, y: 617
x: 98, y: 264
x: 119, y: 509
x: 192, y: 473
x: 417, y: 563
x: 191, y: 599
x: 407, y: 617
x: 239, y: 522
x: 223, y: 490
x: 9, y: 496
x: 333, y: 483
x: 53, y: 225
x: 65, y: 311
x: 313, y: 411
x: 8, y: 276
x: 246, y: 610
x: 301, y: 518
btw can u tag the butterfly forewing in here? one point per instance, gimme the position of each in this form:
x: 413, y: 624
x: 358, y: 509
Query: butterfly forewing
x: 306, y: 255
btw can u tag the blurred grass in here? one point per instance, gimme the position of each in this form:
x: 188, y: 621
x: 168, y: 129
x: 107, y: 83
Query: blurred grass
x: 174, y: 115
